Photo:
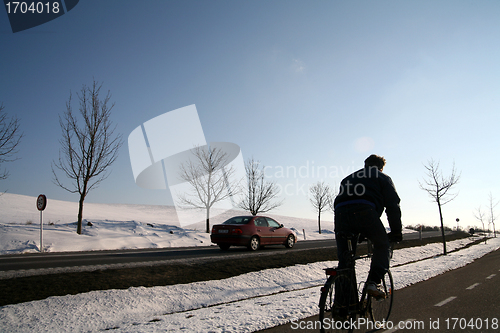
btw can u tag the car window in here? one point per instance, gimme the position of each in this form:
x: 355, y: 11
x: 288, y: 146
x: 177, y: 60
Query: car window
x: 272, y: 223
x: 260, y: 222
x: 238, y: 220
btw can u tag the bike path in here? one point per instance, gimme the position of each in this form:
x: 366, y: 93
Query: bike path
x: 466, y: 299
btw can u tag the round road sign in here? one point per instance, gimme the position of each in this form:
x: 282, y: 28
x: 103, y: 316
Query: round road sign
x: 41, y: 202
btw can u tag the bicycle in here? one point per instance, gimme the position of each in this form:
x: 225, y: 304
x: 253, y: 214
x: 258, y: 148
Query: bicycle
x: 342, y: 301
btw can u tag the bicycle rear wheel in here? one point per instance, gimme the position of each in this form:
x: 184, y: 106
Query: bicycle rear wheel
x: 338, y: 304
x: 380, y: 308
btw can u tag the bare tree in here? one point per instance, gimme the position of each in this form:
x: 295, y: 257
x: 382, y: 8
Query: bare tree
x: 331, y: 202
x: 492, y: 217
x: 260, y: 195
x: 438, y: 187
x: 88, y: 146
x: 9, y: 140
x: 479, y: 215
x: 209, y: 178
x: 320, y: 199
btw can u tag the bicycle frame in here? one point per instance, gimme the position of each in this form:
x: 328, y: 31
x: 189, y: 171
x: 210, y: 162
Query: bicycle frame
x: 360, y: 304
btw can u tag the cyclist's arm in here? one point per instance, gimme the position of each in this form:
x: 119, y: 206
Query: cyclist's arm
x: 391, y: 203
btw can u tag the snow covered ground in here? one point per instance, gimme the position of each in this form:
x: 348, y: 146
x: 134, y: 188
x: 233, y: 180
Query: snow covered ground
x: 115, y: 226
x: 244, y: 303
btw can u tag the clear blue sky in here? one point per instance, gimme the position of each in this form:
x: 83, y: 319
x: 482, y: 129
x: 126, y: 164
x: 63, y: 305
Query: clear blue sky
x: 296, y: 84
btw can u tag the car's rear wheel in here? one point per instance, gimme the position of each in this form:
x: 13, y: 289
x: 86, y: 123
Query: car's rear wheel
x: 290, y: 241
x: 254, y: 243
x: 224, y: 247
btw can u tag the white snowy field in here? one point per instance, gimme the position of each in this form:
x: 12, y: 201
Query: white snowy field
x: 115, y: 226
x: 243, y: 303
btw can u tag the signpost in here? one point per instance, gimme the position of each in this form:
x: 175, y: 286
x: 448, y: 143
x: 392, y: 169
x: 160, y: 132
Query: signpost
x: 41, y: 203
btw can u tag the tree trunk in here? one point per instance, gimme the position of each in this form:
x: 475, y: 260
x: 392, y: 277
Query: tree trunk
x: 80, y: 207
x: 319, y: 222
x: 209, y: 200
x: 442, y: 227
x: 80, y: 215
x: 208, y: 220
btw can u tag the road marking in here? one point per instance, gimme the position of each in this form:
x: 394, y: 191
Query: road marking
x: 394, y: 329
x: 449, y: 299
x: 490, y: 277
x: 472, y: 286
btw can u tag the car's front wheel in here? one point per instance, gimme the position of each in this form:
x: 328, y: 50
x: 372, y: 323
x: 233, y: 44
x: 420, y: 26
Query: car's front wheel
x: 290, y: 241
x: 254, y: 243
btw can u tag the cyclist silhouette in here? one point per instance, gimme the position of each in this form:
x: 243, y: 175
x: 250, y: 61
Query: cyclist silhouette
x: 362, y: 198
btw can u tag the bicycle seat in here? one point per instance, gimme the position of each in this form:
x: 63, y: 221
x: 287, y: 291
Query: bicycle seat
x: 346, y: 235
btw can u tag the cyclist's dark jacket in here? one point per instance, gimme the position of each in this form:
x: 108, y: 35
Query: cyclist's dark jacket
x: 369, y: 185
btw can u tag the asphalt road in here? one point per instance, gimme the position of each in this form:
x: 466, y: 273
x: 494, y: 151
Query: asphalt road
x: 72, y: 259
x: 466, y: 299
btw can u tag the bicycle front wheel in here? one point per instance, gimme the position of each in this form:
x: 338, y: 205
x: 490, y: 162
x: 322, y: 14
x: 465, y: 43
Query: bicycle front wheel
x: 337, y: 304
x: 380, y: 308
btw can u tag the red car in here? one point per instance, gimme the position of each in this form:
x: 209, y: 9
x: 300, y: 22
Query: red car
x: 252, y: 232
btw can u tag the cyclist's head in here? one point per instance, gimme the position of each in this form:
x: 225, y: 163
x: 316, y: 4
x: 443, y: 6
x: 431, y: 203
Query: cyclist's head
x: 376, y: 161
